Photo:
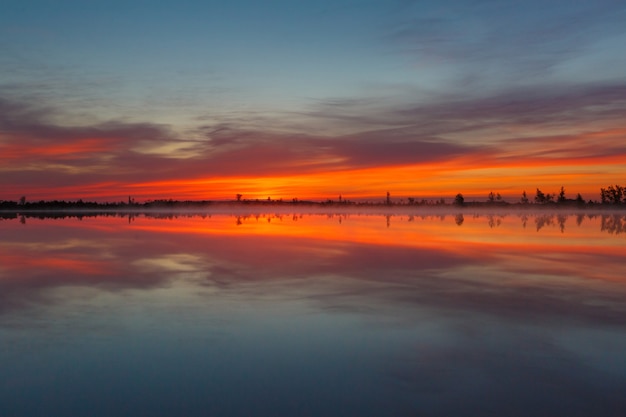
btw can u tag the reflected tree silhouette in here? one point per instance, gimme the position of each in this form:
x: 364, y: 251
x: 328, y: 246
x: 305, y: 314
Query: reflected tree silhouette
x: 524, y: 218
x: 614, y: 224
x: 494, y: 221
x: 544, y: 220
x: 561, y: 219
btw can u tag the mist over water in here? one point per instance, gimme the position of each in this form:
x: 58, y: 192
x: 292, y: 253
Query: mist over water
x: 367, y: 313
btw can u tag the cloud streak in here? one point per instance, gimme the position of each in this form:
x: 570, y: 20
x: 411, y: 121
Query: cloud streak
x: 485, y: 44
x: 445, y: 137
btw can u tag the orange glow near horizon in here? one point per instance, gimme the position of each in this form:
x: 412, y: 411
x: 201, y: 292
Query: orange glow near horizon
x: 418, y: 181
x: 509, y: 171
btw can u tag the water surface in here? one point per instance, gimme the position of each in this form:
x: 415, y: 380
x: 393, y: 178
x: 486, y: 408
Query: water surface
x: 313, y: 314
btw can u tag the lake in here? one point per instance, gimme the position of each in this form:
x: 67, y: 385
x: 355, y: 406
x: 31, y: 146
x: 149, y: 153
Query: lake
x: 406, y: 313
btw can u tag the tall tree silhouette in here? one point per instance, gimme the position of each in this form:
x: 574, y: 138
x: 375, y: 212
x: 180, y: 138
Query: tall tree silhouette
x: 524, y: 199
x: 613, y: 194
x: 540, y: 197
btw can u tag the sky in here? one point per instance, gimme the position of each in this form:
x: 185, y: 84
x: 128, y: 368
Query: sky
x: 198, y: 100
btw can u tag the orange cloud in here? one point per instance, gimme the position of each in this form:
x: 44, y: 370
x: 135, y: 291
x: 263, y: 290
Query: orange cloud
x: 69, y: 150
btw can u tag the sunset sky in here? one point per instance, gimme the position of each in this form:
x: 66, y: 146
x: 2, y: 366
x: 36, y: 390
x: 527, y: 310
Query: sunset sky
x: 102, y: 100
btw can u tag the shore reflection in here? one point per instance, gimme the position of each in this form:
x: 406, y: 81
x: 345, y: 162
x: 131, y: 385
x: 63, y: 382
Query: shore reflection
x: 613, y: 222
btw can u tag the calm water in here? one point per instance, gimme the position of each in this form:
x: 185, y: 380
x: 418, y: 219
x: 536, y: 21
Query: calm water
x: 313, y: 315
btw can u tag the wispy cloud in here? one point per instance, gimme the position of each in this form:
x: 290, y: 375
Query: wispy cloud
x: 533, y: 107
x: 491, y: 44
x: 560, y: 125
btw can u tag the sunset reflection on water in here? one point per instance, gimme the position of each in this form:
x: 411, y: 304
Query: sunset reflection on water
x: 336, y: 314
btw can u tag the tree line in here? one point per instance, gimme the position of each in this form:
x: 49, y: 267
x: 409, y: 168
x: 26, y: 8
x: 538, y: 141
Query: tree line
x: 612, y: 195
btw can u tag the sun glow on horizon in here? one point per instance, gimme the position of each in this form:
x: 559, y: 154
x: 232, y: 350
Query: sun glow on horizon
x: 442, y: 180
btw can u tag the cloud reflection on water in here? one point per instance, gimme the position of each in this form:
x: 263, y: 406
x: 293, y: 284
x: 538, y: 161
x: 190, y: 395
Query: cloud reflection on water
x: 406, y: 313
x: 491, y: 263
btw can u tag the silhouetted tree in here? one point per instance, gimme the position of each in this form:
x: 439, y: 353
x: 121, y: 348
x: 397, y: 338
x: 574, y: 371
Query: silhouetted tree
x: 239, y: 197
x: 540, y: 197
x: 491, y: 197
x: 524, y: 199
x: 459, y: 199
x: 613, y: 194
x: 561, y: 198
x: 22, y: 200
x: 388, y: 201
x: 617, y: 192
x: 579, y: 200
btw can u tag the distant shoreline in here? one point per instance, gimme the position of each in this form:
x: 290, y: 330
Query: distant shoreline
x: 242, y: 207
x: 612, y: 198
